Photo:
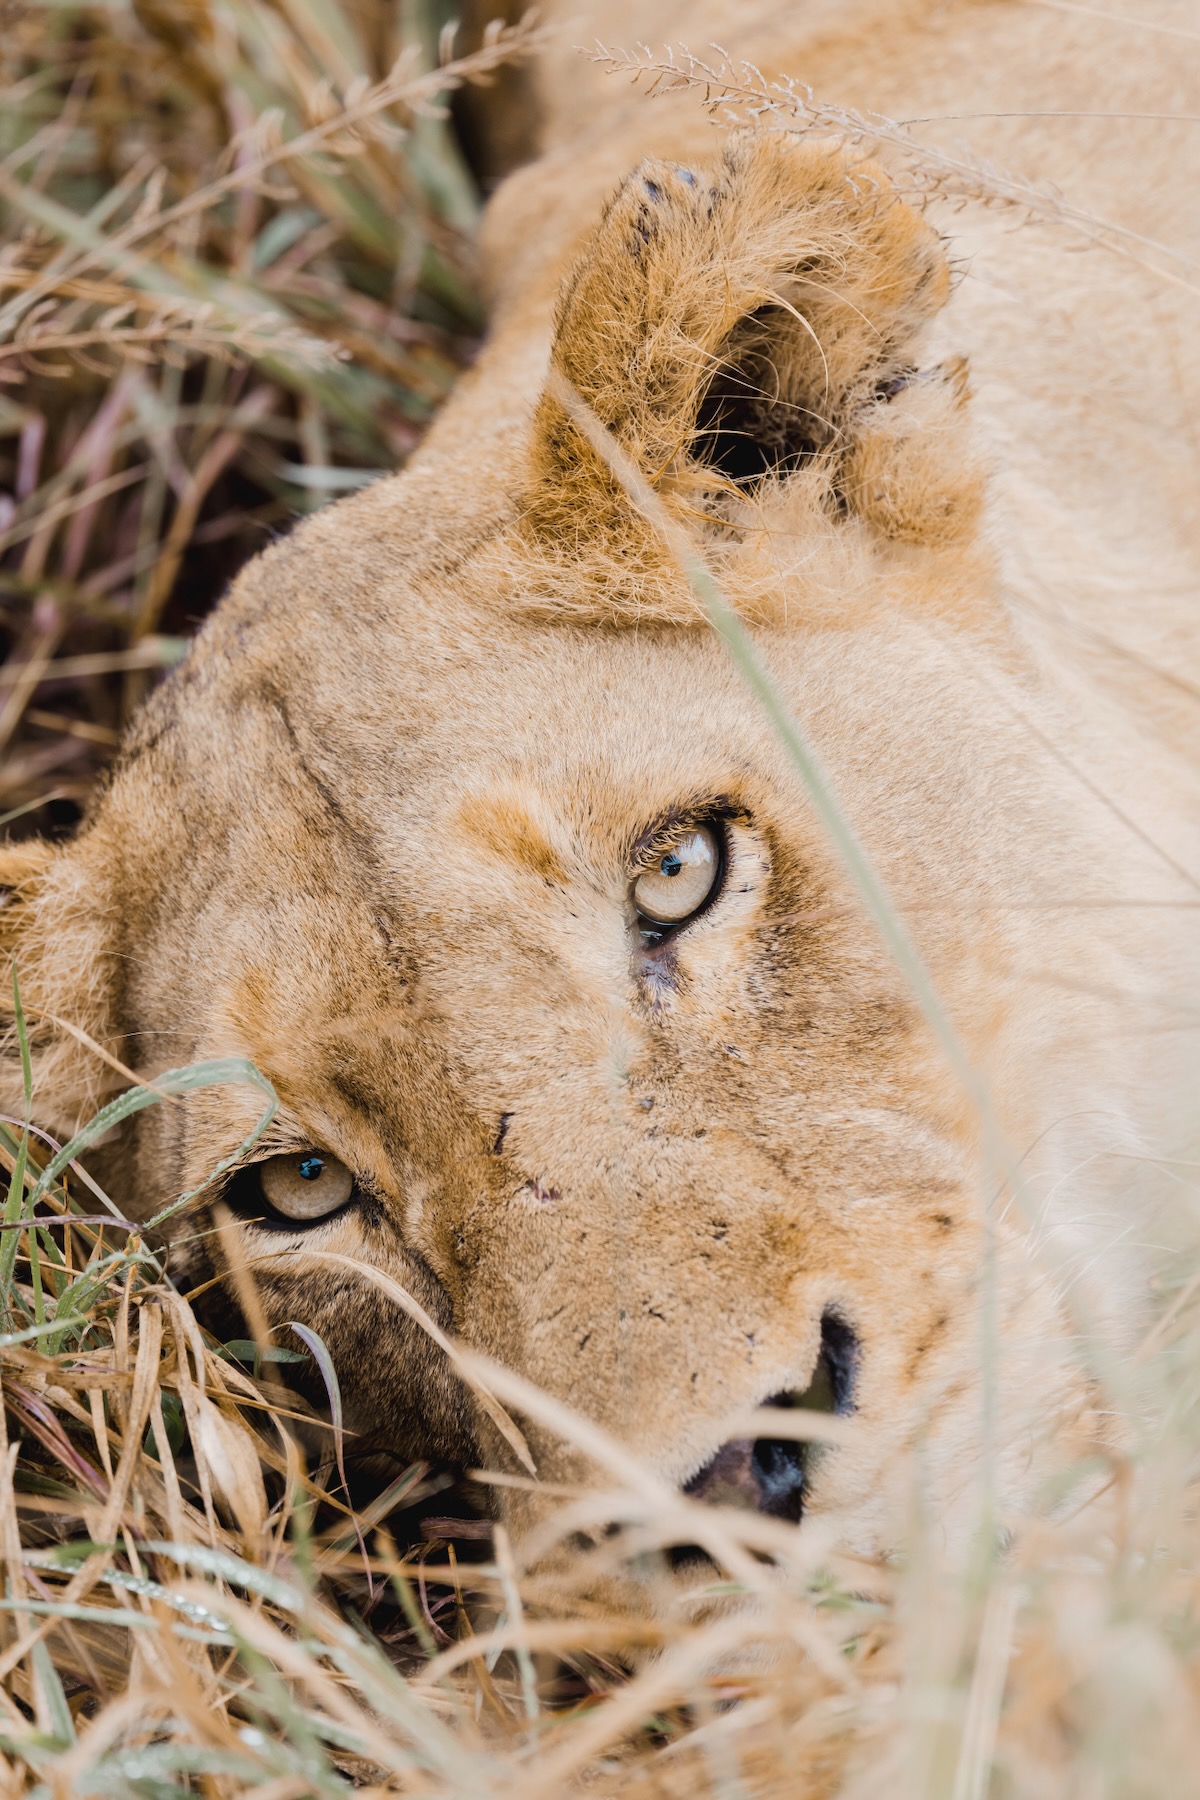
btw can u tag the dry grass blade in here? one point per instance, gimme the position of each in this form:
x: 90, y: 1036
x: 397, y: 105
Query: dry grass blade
x: 203, y: 222
x: 460, y: 1359
x: 738, y: 92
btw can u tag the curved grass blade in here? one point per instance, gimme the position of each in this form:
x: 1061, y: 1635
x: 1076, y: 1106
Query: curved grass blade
x: 187, y: 1080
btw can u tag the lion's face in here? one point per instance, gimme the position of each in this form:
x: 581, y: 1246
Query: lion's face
x: 657, y: 1168
x: 580, y: 1030
x: 656, y: 1171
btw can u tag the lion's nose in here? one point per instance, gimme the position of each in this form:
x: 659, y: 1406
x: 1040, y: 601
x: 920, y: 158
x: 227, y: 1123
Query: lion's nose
x: 761, y: 1474
x: 770, y: 1475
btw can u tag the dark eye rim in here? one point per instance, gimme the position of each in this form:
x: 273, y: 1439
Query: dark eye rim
x: 654, y: 932
x: 244, y: 1197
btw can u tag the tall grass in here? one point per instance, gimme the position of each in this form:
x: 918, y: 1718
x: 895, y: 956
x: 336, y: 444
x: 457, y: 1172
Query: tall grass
x: 237, y: 281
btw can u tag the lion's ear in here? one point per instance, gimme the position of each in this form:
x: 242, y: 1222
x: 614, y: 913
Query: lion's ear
x: 55, y: 931
x: 744, y: 323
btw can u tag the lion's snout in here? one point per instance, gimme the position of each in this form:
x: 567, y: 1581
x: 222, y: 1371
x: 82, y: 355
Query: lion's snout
x: 759, y: 1474
x: 771, y: 1475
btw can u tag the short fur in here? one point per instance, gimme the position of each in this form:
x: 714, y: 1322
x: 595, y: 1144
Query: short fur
x: 378, y: 833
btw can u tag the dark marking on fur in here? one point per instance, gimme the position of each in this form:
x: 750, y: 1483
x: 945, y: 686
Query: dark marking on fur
x: 895, y: 384
x: 372, y: 1213
x: 841, y: 1352
x: 926, y: 1345
x: 659, y: 971
x: 542, y: 1192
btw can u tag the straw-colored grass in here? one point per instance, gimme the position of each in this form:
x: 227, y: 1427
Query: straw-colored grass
x: 191, y: 1607
x: 237, y: 281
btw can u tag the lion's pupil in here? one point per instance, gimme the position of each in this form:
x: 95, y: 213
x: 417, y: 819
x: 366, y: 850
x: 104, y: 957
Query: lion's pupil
x: 311, y: 1167
x: 671, y: 864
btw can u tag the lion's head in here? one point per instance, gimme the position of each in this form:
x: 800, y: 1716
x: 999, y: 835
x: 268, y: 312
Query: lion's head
x: 461, y: 824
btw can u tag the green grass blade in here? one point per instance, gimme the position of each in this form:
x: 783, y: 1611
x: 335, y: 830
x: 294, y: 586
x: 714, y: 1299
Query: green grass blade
x: 14, y: 1204
x: 61, y: 1722
x: 174, y: 1082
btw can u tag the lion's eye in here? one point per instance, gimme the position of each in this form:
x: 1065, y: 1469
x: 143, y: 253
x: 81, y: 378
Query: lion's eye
x: 308, y: 1185
x: 680, y: 880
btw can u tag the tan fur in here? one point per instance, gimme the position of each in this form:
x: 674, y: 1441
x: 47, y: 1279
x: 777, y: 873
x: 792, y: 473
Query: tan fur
x: 379, y: 832
x: 794, y: 268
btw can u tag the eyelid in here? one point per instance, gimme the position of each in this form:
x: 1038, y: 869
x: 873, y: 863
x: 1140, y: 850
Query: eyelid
x: 656, y: 848
x: 283, y: 1139
x: 257, y: 1205
x: 656, y: 840
x: 656, y: 932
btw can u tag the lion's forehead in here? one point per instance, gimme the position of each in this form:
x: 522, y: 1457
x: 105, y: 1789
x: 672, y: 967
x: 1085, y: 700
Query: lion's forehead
x: 461, y: 798
x: 392, y: 687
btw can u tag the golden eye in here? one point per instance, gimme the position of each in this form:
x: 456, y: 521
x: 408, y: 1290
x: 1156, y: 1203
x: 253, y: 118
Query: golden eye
x: 680, y: 879
x: 308, y: 1185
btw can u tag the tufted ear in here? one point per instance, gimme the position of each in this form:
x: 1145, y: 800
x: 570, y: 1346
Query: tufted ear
x: 55, y: 928
x: 746, y: 323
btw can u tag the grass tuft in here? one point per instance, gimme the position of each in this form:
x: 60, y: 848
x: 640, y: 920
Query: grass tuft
x: 237, y: 279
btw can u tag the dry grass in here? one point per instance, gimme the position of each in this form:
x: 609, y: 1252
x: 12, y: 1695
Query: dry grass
x: 237, y: 281
x: 191, y: 1607
x: 737, y: 93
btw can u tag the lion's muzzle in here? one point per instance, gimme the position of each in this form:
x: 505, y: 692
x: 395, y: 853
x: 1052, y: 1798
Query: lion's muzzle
x: 770, y: 1475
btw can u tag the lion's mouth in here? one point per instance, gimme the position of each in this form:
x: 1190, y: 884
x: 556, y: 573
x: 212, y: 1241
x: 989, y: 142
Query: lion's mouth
x: 772, y: 1475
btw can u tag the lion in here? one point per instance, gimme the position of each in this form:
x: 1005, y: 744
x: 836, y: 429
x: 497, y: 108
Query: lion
x: 460, y: 822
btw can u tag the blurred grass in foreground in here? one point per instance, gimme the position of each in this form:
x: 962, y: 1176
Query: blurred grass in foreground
x: 236, y: 280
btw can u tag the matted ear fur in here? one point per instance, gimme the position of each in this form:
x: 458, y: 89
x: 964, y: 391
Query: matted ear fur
x: 54, y: 928
x: 735, y: 326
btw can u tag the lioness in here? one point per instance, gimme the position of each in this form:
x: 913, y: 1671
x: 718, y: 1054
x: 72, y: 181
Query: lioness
x: 460, y: 822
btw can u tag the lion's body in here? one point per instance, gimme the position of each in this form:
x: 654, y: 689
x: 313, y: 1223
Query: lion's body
x: 376, y: 834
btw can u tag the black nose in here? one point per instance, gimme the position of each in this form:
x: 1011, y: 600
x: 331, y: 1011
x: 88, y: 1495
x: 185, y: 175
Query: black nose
x: 779, y: 1467
x: 771, y: 1475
